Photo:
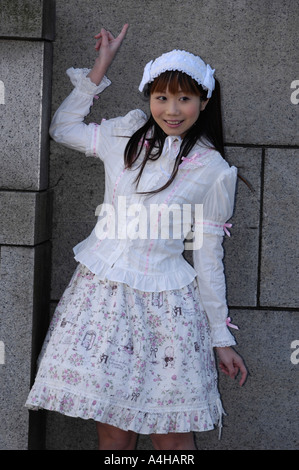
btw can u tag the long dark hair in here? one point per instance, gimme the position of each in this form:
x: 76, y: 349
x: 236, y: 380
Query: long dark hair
x: 208, y: 126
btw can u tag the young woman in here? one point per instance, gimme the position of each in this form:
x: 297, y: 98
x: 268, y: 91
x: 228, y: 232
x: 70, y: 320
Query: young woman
x: 131, y: 344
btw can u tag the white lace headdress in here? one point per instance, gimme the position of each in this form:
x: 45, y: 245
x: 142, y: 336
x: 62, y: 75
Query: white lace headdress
x: 182, y: 61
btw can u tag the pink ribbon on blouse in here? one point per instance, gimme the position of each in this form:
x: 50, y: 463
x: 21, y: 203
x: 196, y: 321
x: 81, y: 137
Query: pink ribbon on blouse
x: 192, y: 159
x: 228, y: 323
x: 225, y: 227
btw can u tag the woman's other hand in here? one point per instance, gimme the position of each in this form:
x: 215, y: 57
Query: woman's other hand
x: 230, y: 363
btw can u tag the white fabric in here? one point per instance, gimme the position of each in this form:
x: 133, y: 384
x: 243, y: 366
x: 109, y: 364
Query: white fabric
x: 204, y: 178
x: 184, y: 62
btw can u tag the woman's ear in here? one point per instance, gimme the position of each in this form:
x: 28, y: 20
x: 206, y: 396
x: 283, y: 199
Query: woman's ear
x: 203, y: 104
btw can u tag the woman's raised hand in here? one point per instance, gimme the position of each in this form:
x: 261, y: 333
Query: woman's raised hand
x: 107, y: 46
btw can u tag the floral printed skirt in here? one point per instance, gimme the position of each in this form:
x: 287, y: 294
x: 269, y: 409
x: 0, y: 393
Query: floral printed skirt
x: 139, y: 361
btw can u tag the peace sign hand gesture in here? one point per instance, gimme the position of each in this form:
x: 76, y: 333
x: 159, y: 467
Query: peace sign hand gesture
x: 107, y: 46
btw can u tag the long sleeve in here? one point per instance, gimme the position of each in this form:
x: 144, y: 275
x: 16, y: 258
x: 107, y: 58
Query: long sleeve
x: 208, y: 260
x: 67, y: 125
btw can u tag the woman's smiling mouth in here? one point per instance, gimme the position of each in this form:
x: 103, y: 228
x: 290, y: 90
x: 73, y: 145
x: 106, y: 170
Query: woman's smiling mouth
x: 173, y: 123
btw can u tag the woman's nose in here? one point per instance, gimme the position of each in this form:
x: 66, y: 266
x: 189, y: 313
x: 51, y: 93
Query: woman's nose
x: 172, y: 107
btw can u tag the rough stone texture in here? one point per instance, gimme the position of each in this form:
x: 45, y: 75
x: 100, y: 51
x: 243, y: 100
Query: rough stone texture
x: 25, y: 114
x: 25, y: 217
x: 32, y: 19
x: 262, y: 414
x: 242, y: 275
x: 23, y: 287
x: 26, y: 28
x: 280, y: 263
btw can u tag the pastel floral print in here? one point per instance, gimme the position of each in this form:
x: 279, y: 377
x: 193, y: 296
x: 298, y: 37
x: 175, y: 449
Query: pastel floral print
x: 136, y: 360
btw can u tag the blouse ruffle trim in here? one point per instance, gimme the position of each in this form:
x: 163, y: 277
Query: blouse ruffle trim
x: 221, y: 337
x: 83, y: 83
x: 171, y: 280
x: 203, y: 418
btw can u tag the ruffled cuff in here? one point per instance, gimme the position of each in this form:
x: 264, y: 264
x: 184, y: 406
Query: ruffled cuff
x: 221, y: 336
x: 83, y: 83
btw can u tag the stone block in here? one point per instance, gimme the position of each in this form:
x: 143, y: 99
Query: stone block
x: 262, y: 415
x: 25, y: 217
x: 32, y: 19
x: 26, y: 90
x: 23, y: 287
x: 280, y: 267
x: 242, y: 248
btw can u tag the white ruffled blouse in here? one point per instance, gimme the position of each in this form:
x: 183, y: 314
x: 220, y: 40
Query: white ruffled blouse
x: 130, y: 242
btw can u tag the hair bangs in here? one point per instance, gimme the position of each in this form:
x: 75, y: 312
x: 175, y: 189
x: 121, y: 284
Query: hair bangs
x: 174, y: 82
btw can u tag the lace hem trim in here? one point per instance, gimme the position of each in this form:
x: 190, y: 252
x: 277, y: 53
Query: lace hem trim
x: 202, y: 418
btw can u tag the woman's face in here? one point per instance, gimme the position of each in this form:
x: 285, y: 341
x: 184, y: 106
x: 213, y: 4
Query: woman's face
x: 176, y: 113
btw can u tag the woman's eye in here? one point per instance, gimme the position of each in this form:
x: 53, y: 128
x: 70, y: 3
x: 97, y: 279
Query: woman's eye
x: 161, y: 98
x: 184, y: 98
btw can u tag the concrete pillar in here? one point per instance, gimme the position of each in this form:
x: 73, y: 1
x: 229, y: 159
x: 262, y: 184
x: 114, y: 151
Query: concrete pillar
x: 26, y: 35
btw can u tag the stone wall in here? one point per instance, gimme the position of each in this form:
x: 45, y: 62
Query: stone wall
x: 26, y: 35
x: 253, y: 47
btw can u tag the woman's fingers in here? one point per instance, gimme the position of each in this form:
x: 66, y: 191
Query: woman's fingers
x: 233, y: 370
x: 98, y: 44
x: 107, y: 34
x: 123, y: 32
x: 232, y: 364
x: 100, y: 34
x: 107, y: 46
x: 110, y: 36
x: 244, y: 374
